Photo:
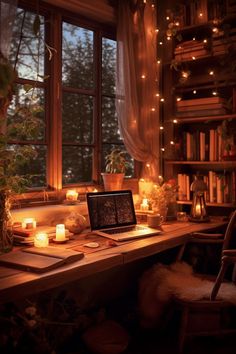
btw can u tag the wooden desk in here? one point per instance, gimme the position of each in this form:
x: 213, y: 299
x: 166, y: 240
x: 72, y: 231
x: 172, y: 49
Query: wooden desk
x: 16, y: 284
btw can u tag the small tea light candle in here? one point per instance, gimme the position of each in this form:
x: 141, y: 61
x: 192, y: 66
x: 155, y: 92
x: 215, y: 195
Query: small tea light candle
x: 144, y: 205
x: 41, y: 240
x: 60, y: 232
x: 95, y: 190
x: 71, y: 195
x: 29, y: 223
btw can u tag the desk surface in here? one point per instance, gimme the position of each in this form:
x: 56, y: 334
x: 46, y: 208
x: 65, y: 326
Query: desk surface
x: 15, y: 283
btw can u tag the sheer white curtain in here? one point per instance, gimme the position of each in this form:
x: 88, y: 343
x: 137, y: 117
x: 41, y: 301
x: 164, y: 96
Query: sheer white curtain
x: 7, y: 17
x: 137, y: 83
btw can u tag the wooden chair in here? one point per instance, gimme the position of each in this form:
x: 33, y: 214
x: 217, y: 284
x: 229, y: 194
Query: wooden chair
x: 210, y: 317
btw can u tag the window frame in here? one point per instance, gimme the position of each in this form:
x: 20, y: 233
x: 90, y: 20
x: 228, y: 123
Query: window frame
x: 54, y: 17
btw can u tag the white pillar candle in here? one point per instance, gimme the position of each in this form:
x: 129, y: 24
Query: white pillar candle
x: 71, y: 195
x: 60, y: 232
x: 28, y: 223
x: 41, y: 240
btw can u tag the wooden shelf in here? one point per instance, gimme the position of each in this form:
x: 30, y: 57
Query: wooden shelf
x: 222, y: 205
x: 183, y: 120
x: 223, y: 164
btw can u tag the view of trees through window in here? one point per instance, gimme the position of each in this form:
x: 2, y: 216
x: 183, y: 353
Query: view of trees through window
x: 89, y: 121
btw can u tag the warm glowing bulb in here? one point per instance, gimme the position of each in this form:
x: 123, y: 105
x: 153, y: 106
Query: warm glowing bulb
x: 161, y: 127
x: 160, y: 43
x: 162, y: 149
x: 143, y: 77
x: 215, y: 30
x: 175, y: 121
x: 148, y: 165
x: 200, y: 14
x: 194, y: 92
x: 178, y: 99
x: 211, y: 72
x: 167, y: 18
x: 172, y: 142
x: 214, y: 93
x: 185, y: 74
x: 194, y: 38
x: 156, y: 30
x: 177, y: 23
x: 158, y: 62
x: 153, y: 109
x: 157, y: 94
x: 168, y: 38
x: 205, y: 41
x: 193, y: 58
x: 162, y: 99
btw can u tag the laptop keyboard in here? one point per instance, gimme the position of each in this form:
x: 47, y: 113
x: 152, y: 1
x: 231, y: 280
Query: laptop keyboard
x: 124, y: 229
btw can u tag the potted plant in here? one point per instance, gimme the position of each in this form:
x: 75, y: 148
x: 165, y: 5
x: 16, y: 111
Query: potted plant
x: 115, y: 170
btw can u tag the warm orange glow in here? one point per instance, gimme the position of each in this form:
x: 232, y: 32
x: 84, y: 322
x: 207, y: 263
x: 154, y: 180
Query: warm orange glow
x: 28, y: 223
x: 41, y: 240
x: 71, y: 195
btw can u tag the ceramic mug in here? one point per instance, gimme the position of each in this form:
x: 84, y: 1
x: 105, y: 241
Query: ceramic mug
x: 154, y: 220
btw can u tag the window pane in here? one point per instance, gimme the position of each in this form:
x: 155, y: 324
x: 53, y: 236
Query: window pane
x: 106, y: 149
x: 110, y: 128
x: 77, y: 164
x: 108, y: 66
x: 28, y: 108
x: 36, y: 167
x: 77, y: 57
x: 30, y: 61
x: 77, y: 118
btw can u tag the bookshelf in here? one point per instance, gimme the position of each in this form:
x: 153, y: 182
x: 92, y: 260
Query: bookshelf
x: 199, y: 87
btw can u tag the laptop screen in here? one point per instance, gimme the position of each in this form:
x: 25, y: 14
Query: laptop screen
x: 111, y: 209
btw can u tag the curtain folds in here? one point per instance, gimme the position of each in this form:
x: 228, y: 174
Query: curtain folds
x: 137, y: 83
x: 7, y: 17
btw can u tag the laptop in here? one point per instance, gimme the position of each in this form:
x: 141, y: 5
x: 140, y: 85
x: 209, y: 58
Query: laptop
x: 112, y: 215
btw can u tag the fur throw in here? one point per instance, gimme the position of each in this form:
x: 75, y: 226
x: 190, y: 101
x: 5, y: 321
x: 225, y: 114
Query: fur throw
x: 161, y: 282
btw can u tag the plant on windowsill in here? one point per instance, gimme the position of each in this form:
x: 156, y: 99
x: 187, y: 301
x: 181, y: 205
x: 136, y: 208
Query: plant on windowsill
x: 116, y: 165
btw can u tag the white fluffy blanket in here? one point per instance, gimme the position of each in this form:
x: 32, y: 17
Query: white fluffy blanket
x: 161, y: 282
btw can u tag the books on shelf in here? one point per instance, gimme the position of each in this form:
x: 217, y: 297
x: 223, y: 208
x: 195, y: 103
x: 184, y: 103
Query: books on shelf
x: 202, y: 113
x: 202, y: 145
x: 193, y: 54
x: 221, y: 187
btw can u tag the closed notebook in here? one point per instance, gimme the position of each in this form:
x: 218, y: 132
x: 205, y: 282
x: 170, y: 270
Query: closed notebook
x: 40, y: 259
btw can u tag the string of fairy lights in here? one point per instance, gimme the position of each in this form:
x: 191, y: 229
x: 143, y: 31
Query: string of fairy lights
x: 173, y: 28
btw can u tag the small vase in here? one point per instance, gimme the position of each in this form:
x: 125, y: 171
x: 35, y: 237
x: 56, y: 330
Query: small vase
x: 6, y: 230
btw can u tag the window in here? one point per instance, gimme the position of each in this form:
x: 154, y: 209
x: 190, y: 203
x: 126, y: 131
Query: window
x: 81, y: 127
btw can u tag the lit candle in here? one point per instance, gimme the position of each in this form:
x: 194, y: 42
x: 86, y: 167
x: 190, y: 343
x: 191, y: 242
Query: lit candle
x: 29, y: 223
x: 144, y: 205
x: 41, y: 240
x: 71, y: 195
x: 198, y: 210
x: 95, y: 190
x: 60, y: 232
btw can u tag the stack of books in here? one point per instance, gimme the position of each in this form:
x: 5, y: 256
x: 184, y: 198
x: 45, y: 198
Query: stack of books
x: 190, y: 50
x: 207, y: 106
